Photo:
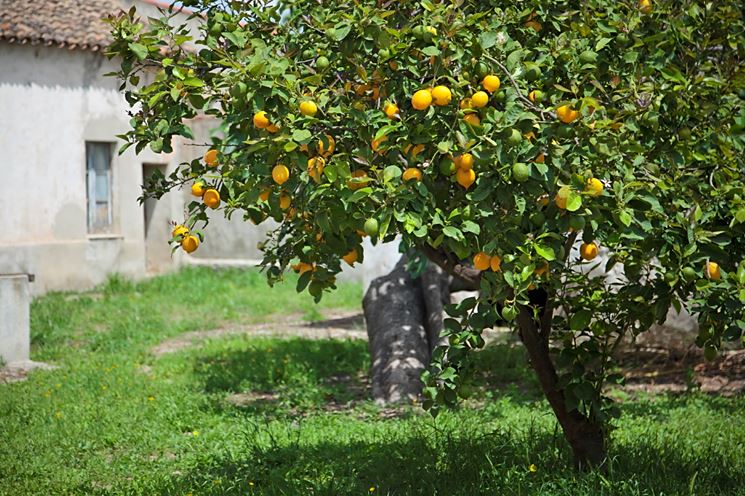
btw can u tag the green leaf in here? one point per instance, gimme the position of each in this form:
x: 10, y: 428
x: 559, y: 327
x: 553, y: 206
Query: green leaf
x: 625, y: 217
x: 453, y: 232
x: 302, y: 136
x: 574, y: 201
x: 193, y: 82
x: 580, y: 320
x: 487, y: 39
x: 139, y: 50
x: 546, y: 252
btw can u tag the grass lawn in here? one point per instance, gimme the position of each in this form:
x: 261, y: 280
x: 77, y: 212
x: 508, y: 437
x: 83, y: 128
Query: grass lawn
x: 258, y: 415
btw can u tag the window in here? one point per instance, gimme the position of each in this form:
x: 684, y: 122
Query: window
x: 98, y: 186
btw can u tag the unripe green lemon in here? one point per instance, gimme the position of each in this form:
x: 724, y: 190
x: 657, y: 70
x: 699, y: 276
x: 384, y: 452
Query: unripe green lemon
x: 371, y: 227
x: 520, y: 172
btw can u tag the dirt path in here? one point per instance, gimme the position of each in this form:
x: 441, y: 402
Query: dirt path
x: 336, y: 325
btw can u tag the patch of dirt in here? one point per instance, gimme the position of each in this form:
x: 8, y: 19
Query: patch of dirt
x: 18, y: 371
x: 660, y: 370
x: 341, y: 325
x: 251, y: 398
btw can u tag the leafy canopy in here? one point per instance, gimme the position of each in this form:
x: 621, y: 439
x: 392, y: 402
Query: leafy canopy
x: 614, y: 123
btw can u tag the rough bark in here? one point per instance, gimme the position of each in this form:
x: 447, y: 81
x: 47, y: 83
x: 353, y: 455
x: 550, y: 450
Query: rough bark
x: 586, y: 438
x: 404, y: 320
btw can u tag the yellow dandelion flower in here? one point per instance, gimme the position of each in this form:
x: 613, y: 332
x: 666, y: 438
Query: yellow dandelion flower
x: 372, y: 489
x: 58, y: 414
x: 151, y: 398
x: 532, y: 468
x: 195, y: 433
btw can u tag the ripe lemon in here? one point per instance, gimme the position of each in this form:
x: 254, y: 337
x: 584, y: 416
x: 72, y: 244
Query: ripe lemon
x: 179, y: 230
x: 465, y: 177
x: 391, y: 111
x: 465, y: 104
x: 261, y: 121
x: 645, y: 6
x: 588, y: 251
x: 464, y: 161
x: 566, y: 114
x: 491, y: 83
x: 594, y: 187
x: 264, y: 195
x: 211, y: 198
x: 284, y: 201
x: 712, y: 271
x: 308, y: 108
x: 441, y: 95
x: 480, y: 99
x: 472, y: 119
x: 302, y: 267
x: 361, y: 182
x: 315, y: 168
x: 495, y: 263
x: 413, y: 150
x: 272, y: 128
x: 197, y: 189
x: 540, y: 270
x: 412, y: 173
x: 481, y: 261
x: 210, y: 158
x: 350, y: 257
x: 280, y: 174
x: 421, y: 100
x: 331, y: 146
x: 376, y: 143
x: 190, y: 243
x: 562, y: 197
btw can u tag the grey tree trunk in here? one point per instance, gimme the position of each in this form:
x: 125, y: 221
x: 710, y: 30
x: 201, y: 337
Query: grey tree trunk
x: 404, y: 320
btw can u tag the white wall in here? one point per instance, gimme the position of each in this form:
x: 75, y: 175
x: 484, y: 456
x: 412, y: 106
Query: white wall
x: 53, y: 100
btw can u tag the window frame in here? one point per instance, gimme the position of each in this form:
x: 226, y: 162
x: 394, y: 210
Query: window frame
x: 94, y: 228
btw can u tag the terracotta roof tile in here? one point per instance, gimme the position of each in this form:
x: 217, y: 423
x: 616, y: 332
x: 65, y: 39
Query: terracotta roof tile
x: 70, y: 23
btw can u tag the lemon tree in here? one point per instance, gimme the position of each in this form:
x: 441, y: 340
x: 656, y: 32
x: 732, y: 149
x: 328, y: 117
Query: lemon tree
x: 508, y: 142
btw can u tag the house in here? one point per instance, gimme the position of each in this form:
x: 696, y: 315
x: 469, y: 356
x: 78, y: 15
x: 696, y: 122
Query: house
x: 68, y: 210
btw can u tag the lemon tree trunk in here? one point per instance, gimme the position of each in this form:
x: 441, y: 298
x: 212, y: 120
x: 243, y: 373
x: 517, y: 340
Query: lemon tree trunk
x: 585, y: 437
x: 404, y: 321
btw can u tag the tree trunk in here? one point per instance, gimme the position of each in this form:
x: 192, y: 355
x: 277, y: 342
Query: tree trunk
x: 586, y: 438
x: 404, y: 320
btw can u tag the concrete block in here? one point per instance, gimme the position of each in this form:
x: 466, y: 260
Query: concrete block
x: 15, y: 299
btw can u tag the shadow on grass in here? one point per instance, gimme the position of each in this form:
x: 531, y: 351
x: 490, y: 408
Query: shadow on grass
x: 447, y: 461
x: 285, y: 373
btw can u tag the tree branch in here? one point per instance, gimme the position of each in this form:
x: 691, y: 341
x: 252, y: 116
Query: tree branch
x: 466, y: 277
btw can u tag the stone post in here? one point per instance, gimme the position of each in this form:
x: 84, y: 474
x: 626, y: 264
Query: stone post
x: 15, y: 299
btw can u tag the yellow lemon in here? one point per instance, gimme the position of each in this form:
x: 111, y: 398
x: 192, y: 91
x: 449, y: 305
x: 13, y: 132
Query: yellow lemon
x: 465, y: 177
x: 594, y: 187
x: 712, y: 271
x: 261, y: 121
x: 179, y: 230
x: 491, y: 83
x: 280, y: 174
x: 190, y: 243
x: 441, y: 95
x: 588, y: 251
x: 391, y: 111
x: 308, y: 108
x: 567, y: 114
x: 284, y: 201
x: 481, y: 261
x: 412, y: 173
x: 197, y: 189
x: 480, y: 99
x: 464, y: 161
x: 496, y: 263
x: 211, y: 198
x: 472, y: 119
x: 421, y: 100
x: 210, y: 158
x: 350, y: 257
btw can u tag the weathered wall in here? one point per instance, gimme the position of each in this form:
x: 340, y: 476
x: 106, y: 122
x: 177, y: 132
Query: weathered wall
x: 52, y: 101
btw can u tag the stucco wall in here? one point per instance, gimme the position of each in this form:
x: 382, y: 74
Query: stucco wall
x: 52, y: 101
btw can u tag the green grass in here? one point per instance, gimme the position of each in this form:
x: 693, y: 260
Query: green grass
x: 114, y: 419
